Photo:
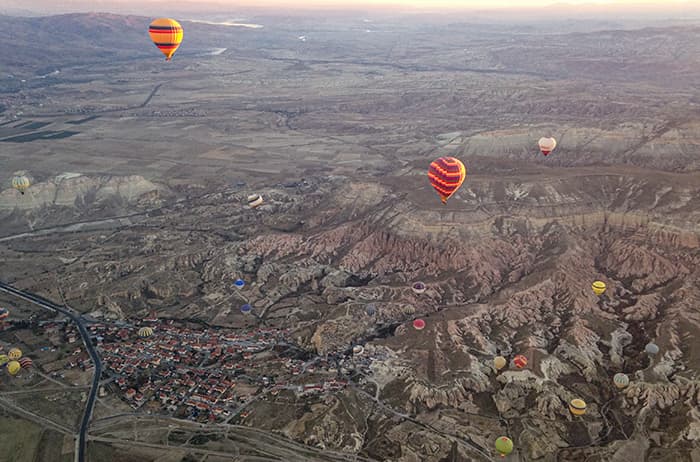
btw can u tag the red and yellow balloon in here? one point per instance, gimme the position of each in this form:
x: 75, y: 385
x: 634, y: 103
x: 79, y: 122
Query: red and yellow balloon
x: 446, y: 175
x: 167, y: 35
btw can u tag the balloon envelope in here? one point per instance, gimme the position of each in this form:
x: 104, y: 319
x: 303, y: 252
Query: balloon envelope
x: 499, y: 362
x: 504, y: 445
x: 13, y: 367
x: 371, y: 309
x: 446, y: 175
x: 651, y: 348
x: 246, y: 308
x: 4, y: 313
x: 21, y: 183
x: 239, y: 283
x: 358, y: 349
x: 167, y: 35
x: 547, y: 145
x: 520, y: 361
x: 14, y: 353
x: 418, y: 287
x: 145, y: 332
x: 621, y: 380
x: 598, y: 287
x: 4, y: 359
x: 577, y: 406
x: 419, y: 324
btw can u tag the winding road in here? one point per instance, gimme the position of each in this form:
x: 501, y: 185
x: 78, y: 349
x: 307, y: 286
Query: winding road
x: 77, y: 319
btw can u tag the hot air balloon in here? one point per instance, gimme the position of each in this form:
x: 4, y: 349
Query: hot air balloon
x: 547, y: 145
x: 371, y: 309
x: 358, y: 349
x: 245, y: 309
x: 504, y: 445
x: 621, y: 380
x: 13, y: 367
x: 145, y: 332
x: 21, y: 183
x: 651, y: 348
x: 4, y: 360
x: 419, y: 324
x: 446, y: 175
x: 499, y: 362
x: 418, y: 287
x: 254, y: 200
x: 167, y: 35
x: 598, y: 287
x: 4, y: 313
x: 25, y: 362
x: 14, y: 354
x: 239, y: 283
x: 520, y: 361
x: 577, y: 407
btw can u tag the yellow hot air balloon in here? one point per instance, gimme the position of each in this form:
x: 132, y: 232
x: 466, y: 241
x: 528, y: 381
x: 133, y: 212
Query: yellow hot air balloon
x: 599, y: 287
x: 167, y: 35
x: 4, y: 359
x: 145, y: 332
x: 577, y: 407
x: 14, y: 354
x: 499, y: 362
x: 21, y: 183
x: 13, y: 367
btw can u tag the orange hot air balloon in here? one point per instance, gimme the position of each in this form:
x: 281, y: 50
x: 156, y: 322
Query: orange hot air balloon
x: 167, y: 35
x: 520, y: 361
x: 446, y: 175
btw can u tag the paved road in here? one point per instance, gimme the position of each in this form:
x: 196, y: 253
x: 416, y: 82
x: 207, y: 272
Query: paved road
x: 76, y: 318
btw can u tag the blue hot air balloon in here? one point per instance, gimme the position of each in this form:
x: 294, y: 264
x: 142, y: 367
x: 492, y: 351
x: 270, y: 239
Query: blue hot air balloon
x: 246, y: 309
x: 239, y: 283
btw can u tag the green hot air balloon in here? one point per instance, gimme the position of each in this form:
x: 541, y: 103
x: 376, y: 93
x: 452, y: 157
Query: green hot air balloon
x: 504, y: 445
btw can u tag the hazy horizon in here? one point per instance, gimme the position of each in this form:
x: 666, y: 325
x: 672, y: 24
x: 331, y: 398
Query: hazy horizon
x: 50, y: 6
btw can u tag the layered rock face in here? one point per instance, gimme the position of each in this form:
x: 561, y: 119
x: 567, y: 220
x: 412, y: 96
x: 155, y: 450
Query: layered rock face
x: 508, y: 264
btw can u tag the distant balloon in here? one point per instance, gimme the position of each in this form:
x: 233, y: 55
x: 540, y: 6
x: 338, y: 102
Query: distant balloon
x: 577, y: 407
x: 145, y: 332
x: 239, y: 283
x: 598, y: 287
x: 13, y: 367
x: 446, y: 175
x: 21, y: 183
x: 499, y: 362
x: 358, y: 349
x: 14, y: 353
x: 651, y: 348
x: 504, y: 445
x: 255, y: 200
x: 371, y: 309
x: 419, y: 287
x: 245, y: 309
x: 25, y: 362
x: 547, y: 145
x: 520, y: 361
x: 4, y: 313
x: 167, y: 35
x: 4, y: 359
x: 621, y: 380
x: 419, y: 324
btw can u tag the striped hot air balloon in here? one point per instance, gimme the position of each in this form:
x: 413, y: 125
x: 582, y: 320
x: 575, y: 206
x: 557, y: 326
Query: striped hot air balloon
x: 167, y: 35
x: 520, y: 361
x: 446, y: 175
x: 25, y: 362
x: 145, y: 332
x: 21, y: 183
